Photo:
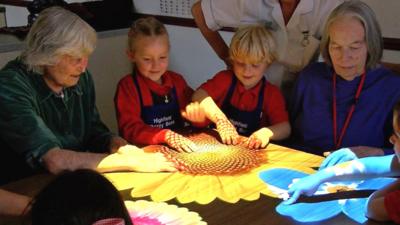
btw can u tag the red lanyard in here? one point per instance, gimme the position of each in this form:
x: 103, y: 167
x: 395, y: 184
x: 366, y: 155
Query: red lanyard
x: 337, y: 141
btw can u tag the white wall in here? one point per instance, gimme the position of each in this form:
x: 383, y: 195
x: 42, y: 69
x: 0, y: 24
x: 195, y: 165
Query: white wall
x: 191, y: 55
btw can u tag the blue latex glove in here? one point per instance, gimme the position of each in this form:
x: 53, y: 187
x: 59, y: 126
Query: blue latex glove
x: 305, y: 186
x: 338, y: 156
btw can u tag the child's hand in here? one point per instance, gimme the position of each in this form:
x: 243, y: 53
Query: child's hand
x: 259, y: 139
x: 194, y: 113
x: 179, y: 142
x: 227, y: 131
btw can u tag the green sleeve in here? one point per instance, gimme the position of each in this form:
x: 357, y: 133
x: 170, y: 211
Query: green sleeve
x: 21, y: 128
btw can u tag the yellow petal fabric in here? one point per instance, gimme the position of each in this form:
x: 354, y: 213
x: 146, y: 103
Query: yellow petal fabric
x: 203, y: 189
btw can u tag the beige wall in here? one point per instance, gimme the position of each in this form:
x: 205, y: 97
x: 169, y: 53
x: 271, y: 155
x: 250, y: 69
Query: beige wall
x: 107, y: 65
x: 387, y: 12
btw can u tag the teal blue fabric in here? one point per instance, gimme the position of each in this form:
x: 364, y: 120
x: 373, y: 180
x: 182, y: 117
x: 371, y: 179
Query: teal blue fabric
x: 318, y: 211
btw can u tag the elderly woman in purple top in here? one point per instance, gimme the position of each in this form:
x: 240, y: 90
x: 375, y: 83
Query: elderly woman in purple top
x: 343, y: 106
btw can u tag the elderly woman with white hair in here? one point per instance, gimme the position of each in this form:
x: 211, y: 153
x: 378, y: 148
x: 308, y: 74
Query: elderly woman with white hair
x: 48, y: 116
x: 343, y: 106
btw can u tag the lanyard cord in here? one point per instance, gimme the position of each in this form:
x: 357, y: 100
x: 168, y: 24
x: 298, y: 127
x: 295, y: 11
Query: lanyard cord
x: 337, y: 141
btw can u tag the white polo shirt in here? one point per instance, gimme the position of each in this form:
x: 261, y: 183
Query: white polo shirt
x: 297, y: 42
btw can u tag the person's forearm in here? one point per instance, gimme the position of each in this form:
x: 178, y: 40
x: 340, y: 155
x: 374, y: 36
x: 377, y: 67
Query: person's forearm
x: 57, y: 160
x: 210, y: 108
x: 212, y: 111
x: 364, y: 168
x: 280, y: 131
x: 366, y: 151
x: 12, y: 204
x: 213, y: 37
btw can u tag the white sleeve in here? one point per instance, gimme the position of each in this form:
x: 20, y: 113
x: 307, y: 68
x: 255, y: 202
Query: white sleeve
x: 222, y: 13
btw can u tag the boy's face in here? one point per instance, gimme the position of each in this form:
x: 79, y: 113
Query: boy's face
x: 150, y: 55
x: 248, y: 74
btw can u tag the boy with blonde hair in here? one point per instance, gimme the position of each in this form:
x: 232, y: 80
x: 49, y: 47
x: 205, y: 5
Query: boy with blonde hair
x: 240, y: 100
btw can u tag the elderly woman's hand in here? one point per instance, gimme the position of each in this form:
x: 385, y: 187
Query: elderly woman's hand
x: 117, y: 142
x: 304, y: 186
x: 348, y: 154
x: 132, y: 158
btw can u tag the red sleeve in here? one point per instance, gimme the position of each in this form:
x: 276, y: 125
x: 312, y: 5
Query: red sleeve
x: 274, y: 105
x: 392, y: 205
x: 130, y: 124
x: 217, y: 87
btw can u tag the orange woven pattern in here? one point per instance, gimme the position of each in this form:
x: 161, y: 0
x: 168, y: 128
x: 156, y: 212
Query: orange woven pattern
x: 214, y: 158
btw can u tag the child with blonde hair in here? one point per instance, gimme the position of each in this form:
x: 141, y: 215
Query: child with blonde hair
x: 240, y: 100
x: 149, y: 101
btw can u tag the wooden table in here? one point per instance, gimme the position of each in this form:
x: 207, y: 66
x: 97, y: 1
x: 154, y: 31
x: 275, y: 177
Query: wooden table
x: 258, y: 212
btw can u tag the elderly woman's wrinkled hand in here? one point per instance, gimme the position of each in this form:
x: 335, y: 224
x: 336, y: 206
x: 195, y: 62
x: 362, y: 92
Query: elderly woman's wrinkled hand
x: 146, y: 162
x: 338, y: 156
x: 132, y: 158
x: 117, y: 142
x: 348, y: 154
x: 304, y: 186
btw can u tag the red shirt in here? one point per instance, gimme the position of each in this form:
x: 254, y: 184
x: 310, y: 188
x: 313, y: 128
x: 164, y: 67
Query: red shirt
x: 392, y: 205
x: 274, y: 109
x: 127, y: 104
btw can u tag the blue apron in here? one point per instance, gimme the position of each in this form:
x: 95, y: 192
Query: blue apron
x: 165, y: 111
x: 246, y: 122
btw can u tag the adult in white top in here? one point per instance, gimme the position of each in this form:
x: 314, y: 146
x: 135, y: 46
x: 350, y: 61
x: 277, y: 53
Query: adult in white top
x: 295, y: 24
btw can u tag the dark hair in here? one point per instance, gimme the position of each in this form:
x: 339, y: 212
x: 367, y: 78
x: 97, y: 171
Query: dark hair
x: 79, y: 197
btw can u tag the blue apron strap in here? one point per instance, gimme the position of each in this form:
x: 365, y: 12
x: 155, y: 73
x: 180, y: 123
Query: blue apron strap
x: 136, y: 83
x: 230, y: 91
x: 261, y: 97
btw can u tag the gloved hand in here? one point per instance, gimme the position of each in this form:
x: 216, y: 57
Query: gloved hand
x: 304, y: 186
x: 258, y: 139
x: 227, y: 131
x: 338, y: 156
x: 179, y: 142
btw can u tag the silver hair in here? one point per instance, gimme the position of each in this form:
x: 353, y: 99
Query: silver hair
x: 57, y: 32
x: 373, y: 35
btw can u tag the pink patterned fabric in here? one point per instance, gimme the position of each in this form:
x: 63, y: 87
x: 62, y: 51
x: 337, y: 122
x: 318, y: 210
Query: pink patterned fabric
x: 145, y: 220
x: 110, y: 221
